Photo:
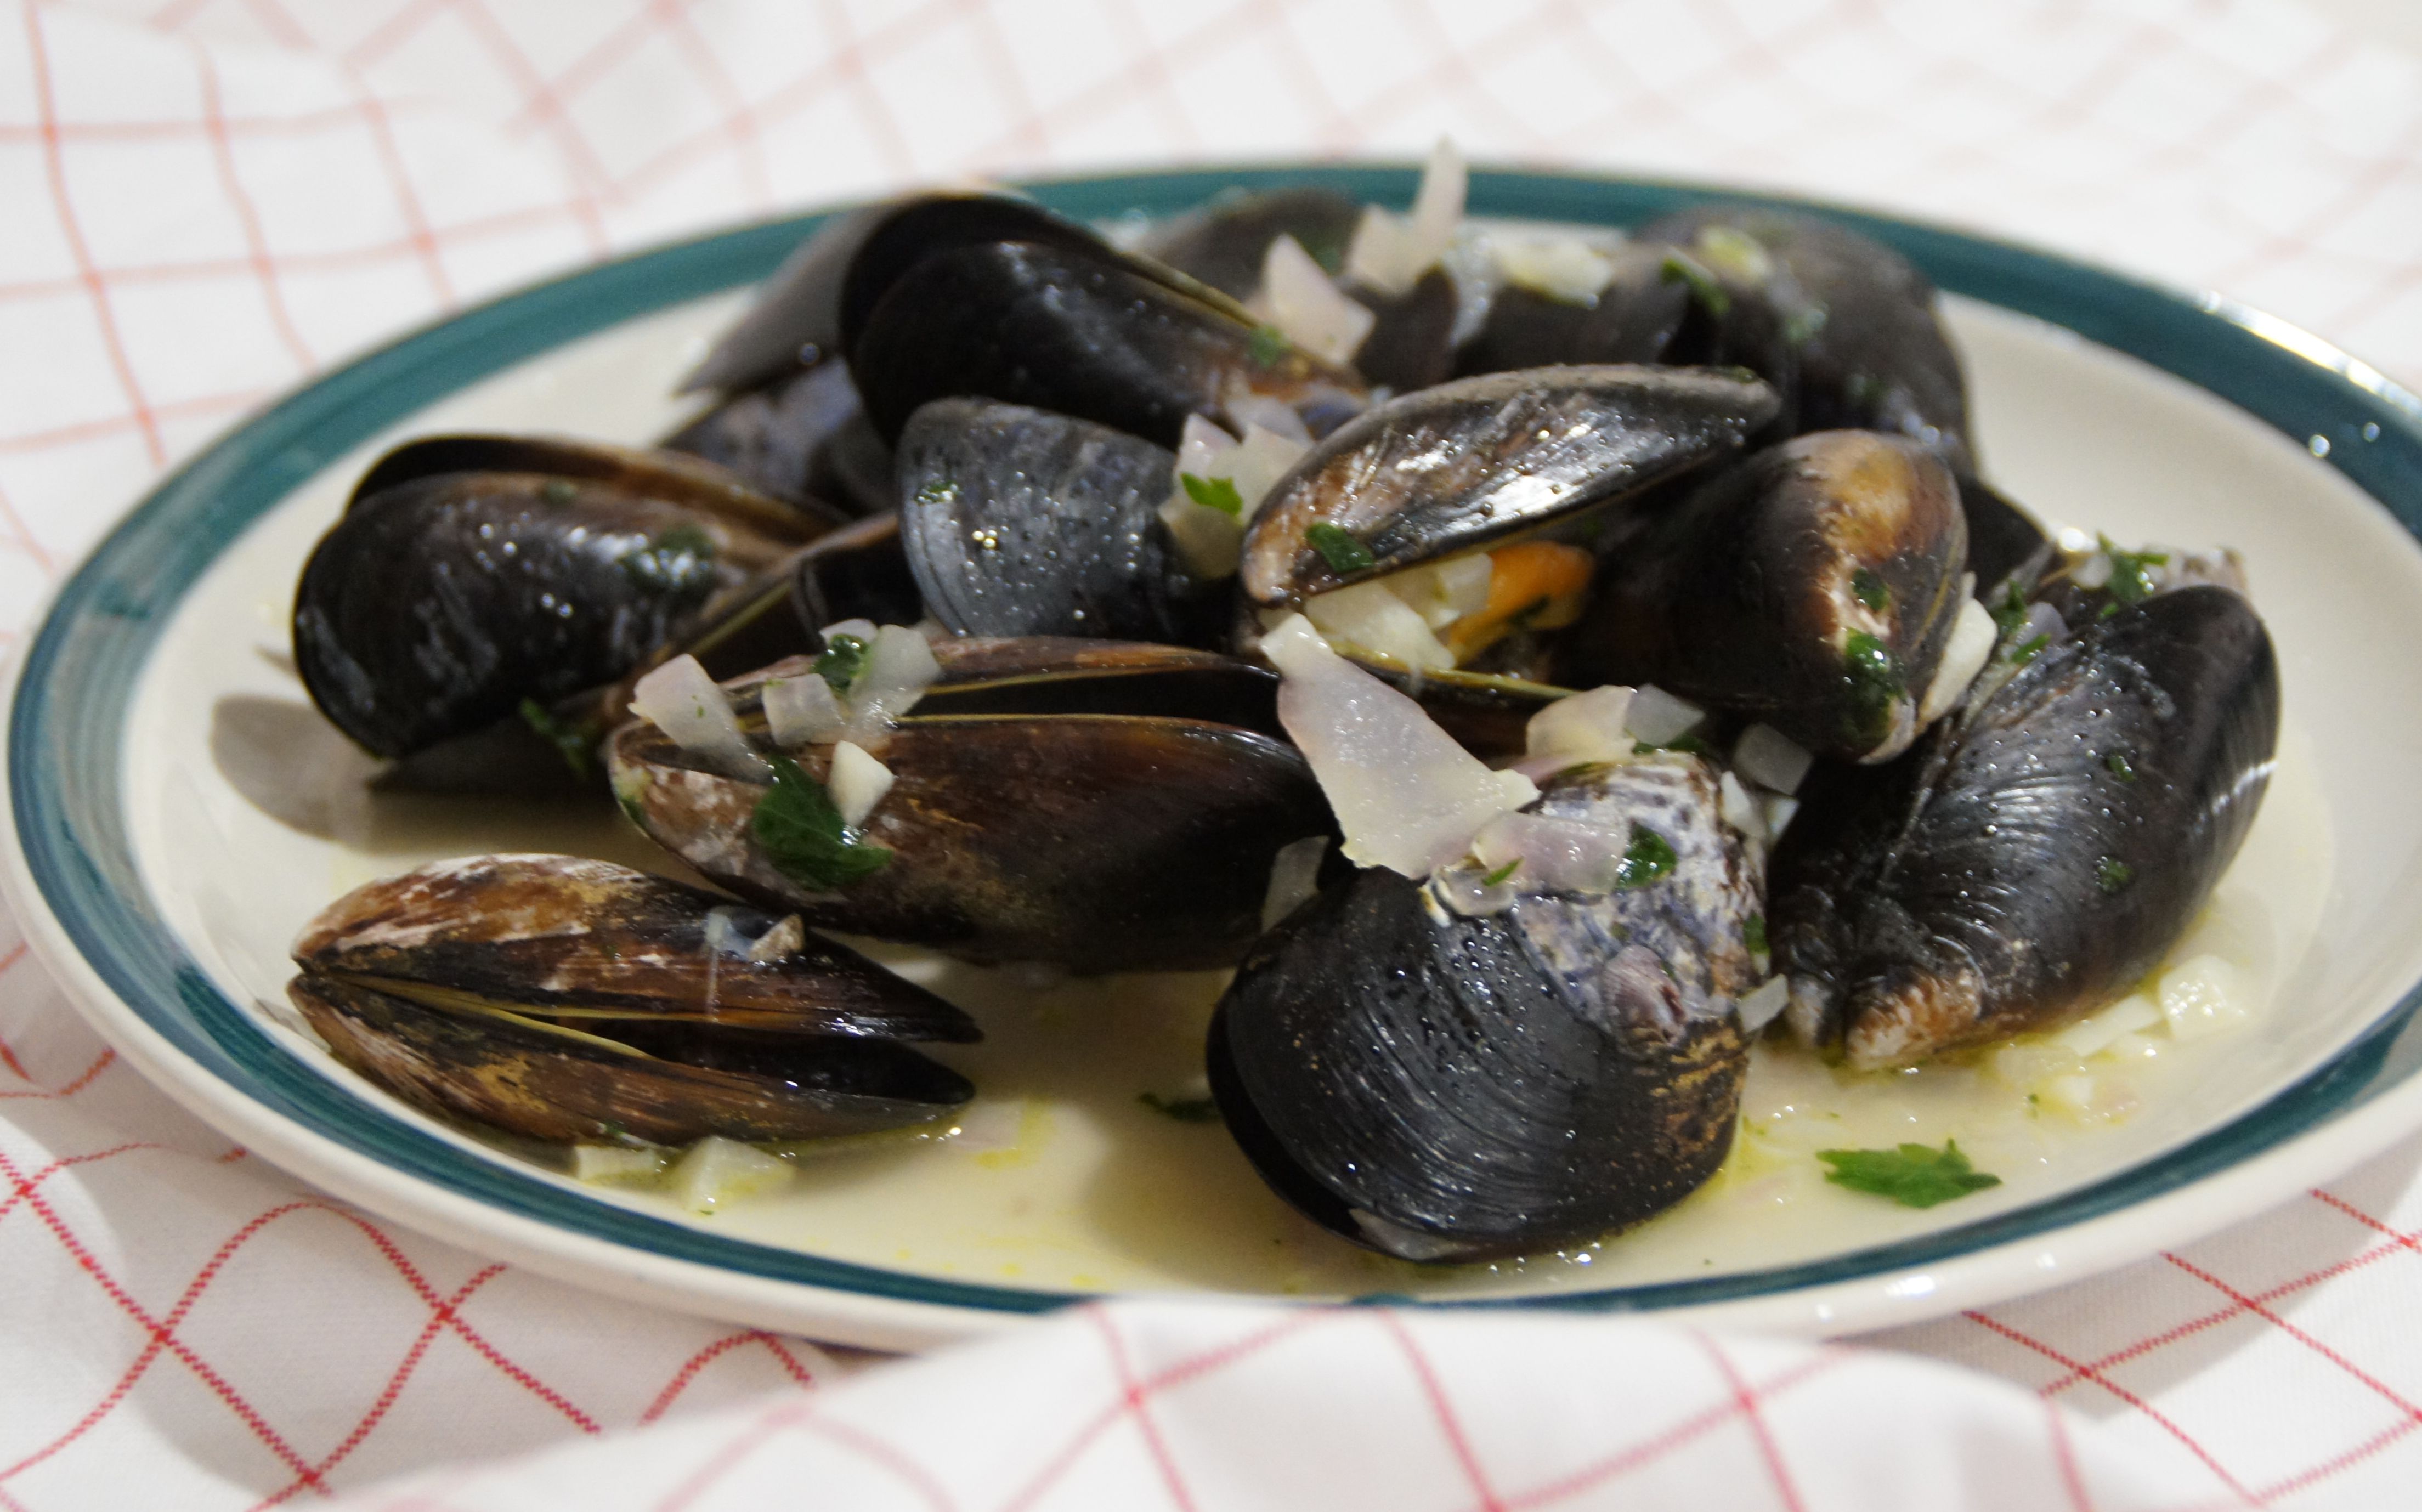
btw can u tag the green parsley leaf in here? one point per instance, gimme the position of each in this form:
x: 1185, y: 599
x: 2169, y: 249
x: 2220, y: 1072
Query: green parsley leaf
x: 1876, y: 685
x: 801, y: 833
x: 1868, y: 588
x: 573, y: 742
x: 1647, y: 859
x: 844, y: 658
x: 679, y: 563
x: 1342, y: 553
x: 1502, y: 873
x: 2132, y: 573
x: 1183, y: 1110
x: 2111, y: 873
x: 1753, y: 934
x: 2011, y: 612
x: 1268, y: 346
x: 2026, y: 650
x: 1214, y: 494
x: 1914, y: 1175
x: 2121, y: 767
x: 1680, y: 267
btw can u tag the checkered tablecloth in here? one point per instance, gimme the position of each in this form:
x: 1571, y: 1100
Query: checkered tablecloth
x: 205, y: 202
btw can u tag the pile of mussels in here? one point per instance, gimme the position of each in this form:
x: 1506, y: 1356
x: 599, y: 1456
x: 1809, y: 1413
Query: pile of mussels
x: 1717, y: 474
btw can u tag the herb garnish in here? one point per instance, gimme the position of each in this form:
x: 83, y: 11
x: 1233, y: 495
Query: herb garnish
x: 1868, y: 588
x: 1914, y: 1175
x: 1647, y: 859
x: 844, y: 658
x: 2121, y: 767
x: 937, y: 491
x: 801, y: 833
x: 1876, y: 684
x: 2011, y: 612
x: 680, y: 561
x: 1185, y: 1109
x: 570, y: 739
x: 1342, y: 553
x: 1681, y: 268
x: 1502, y: 873
x: 1214, y: 494
x: 1753, y: 934
x: 2131, y: 574
x: 2026, y: 650
x: 1267, y: 346
x: 2111, y: 873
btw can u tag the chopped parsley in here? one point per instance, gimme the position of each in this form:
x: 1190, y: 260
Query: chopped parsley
x: 1502, y: 873
x: 1647, y: 859
x: 1914, y: 1175
x: 1183, y: 1110
x: 1268, y: 346
x: 844, y: 658
x: 680, y: 562
x: 801, y: 833
x: 1753, y: 934
x: 937, y: 491
x: 2011, y: 612
x: 1214, y: 494
x: 1868, y: 588
x: 2025, y: 651
x: 1680, y: 267
x: 1342, y: 553
x: 1876, y: 684
x: 2133, y: 579
x: 2111, y: 873
x: 2121, y: 767
x: 571, y: 740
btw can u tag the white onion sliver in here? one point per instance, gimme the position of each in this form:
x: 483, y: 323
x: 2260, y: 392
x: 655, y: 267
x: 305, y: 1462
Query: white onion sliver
x: 1249, y: 409
x: 682, y: 701
x: 1212, y: 544
x: 1406, y: 796
x: 2094, y: 572
x: 1762, y: 1005
x: 1779, y: 811
x: 857, y: 783
x: 1294, y: 875
x: 1740, y: 810
x: 1438, y: 209
x: 1563, y: 267
x: 1658, y: 717
x: 899, y: 667
x: 1556, y: 855
x: 1262, y: 458
x: 1972, y: 638
x: 1381, y: 255
x: 1202, y: 446
x: 1463, y: 582
x: 1588, y: 727
x: 1312, y: 312
x: 1772, y: 759
x: 803, y: 711
x: 1374, y: 619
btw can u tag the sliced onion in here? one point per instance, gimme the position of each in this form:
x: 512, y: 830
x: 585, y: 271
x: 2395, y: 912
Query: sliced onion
x: 1740, y: 809
x: 1563, y: 267
x: 1389, y: 253
x: 1406, y: 796
x: 1555, y: 854
x: 1972, y: 638
x: 1212, y: 543
x: 2094, y: 572
x: 1294, y: 875
x: 857, y: 783
x: 1438, y: 209
x: 1658, y: 717
x: 682, y: 701
x: 1262, y: 458
x: 1376, y: 620
x: 1779, y: 811
x: 1249, y: 409
x: 899, y: 667
x: 1202, y: 446
x: 1762, y: 1005
x: 1772, y: 759
x: 804, y: 711
x: 1585, y: 727
x: 1309, y: 310
x: 1444, y: 592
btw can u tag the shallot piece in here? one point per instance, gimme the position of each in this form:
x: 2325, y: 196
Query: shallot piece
x: 1554, y: 854
x: 1389, y: 253
x: 681, y: 699
x: 804, y: 711
x: 1306, y: 308
x: 1658, y: 717
x: 1294, y: 875
x: 1406, y: 796
x: 1585, y: 727
x: 1972, y: 637
x: 1369, y: 616
x: 899, y: 667
x: 857, y: 783
x: 1773, y: 760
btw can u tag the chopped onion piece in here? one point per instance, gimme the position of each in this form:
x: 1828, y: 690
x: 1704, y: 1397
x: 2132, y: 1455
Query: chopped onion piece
x: 1202, y: 446
x: 682, y: 701
x: 718, y: 1171
x: 2094, y: 572
x: 1389, y: 253
x: 857, y: 783
x: 1262, y: 458
x: 1778, y: 809
x: 1376, y: 619
x: 1563, y: 267
x: 1555, y: 854
x: 1312, y: 312
x: 2200, y: 995
x: 1406, y: 796
x: 1438, y: 209
x: 2132, y: 1012
x: 1467, y: 890
x: 786, y: 939
x: 1294, y: 875
x: 899, y: 667
x: 624, y: 1164
x: 1249, y: 409
x: 1211, y: 542
x: 1443, y: 592
x: 1762, y: 1005
x: 1658, y: 717
x: 1772, y: 759
x: 803, y: 711
x: 1972, y: 638
x: 1740, y: 810
x: 1587, y: 727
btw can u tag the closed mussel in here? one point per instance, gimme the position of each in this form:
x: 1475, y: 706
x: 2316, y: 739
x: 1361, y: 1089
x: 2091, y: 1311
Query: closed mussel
x: 1445, y: 1088
x: 2040, y: 850
x: 565, y: 999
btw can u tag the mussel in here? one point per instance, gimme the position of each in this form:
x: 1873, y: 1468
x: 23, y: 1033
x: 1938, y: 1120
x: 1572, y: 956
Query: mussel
x: 1444, y: 1087
x: 1634, y: 316
x: 2040, y: 850
x: 1075, y: 802
x: 563, y: 998
x: 1812, y: 586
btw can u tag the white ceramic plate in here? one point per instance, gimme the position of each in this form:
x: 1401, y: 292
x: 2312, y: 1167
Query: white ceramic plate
x: 178, y: 811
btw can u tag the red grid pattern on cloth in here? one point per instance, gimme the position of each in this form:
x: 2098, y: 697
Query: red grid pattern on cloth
x: 215, y: 197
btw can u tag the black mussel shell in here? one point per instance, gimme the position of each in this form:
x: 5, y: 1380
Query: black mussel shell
x: 1635, y: 318
x: 1846, y: 325
x: 445, y: 603
x: 1019, y: 522
x: 1412, y: 344
x: 1449, y: 1088
x: 2038, y: 854
x: 1224, y: 244
x: 668, y: 477
x: 1812, y: 586
x: 1075, y: 333
x: 2003, y: 538
x: 1457, y: 466
x: 800, y: 437
x: 1049, y: 674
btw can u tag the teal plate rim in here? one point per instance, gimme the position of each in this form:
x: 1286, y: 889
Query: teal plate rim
x: 78, y: 674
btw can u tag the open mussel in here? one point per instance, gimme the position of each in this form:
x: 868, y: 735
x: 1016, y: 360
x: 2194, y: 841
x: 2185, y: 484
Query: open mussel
x: 473, y: 577
x: 1812, y: 586
x: 563, y: 998
x: 1081, y: 803
x: 1445, y: 1087
x: 2037, y: 851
